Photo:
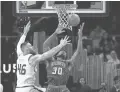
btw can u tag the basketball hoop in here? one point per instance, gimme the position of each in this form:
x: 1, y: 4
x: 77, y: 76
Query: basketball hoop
x: 63, y: 13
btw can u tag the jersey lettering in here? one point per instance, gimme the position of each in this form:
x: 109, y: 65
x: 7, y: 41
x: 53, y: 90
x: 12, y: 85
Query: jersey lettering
x: 57, y: 70
x: 21, y: 69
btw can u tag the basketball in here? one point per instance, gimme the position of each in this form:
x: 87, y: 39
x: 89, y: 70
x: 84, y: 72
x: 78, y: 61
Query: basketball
x: 73, y: 20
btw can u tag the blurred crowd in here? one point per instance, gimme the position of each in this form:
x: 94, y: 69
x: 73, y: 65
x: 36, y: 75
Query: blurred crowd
x: 82, y: 86
x: 100, y: 42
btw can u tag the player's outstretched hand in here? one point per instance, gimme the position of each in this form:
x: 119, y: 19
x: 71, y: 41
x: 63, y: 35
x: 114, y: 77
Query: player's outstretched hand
x: 65, y: 41
x: 59, y: 30
x: 27, y: 27
x: 80, y: 30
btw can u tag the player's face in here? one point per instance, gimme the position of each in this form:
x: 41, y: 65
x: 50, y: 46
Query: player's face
x: 61, y: 55
x: 30, y: 48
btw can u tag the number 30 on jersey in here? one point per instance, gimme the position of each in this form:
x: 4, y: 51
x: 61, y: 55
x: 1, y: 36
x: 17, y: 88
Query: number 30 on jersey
x: 57, y: 70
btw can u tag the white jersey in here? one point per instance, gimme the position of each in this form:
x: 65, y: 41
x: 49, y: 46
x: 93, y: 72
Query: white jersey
x: 1, y: 88
x: 25, y: 72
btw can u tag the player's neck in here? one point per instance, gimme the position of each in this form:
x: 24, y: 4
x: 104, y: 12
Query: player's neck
x: 25, y: 53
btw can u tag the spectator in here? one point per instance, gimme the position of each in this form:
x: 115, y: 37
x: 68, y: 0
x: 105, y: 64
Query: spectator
x: 96, y: 36
x: 83, y: 87
x: 114, y: 59
x: 116, y: 87
x: 112, y: 67
x: 107, y: 43
x: 87, y: 44
x: 117, y: 48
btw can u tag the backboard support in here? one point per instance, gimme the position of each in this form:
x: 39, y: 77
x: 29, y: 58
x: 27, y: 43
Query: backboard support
x: 45, y: 8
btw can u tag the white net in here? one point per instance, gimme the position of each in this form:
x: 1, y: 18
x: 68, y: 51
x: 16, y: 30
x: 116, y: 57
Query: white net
x: 63, y: 14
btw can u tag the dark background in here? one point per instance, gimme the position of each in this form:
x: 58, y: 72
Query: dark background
x: 111, y: 24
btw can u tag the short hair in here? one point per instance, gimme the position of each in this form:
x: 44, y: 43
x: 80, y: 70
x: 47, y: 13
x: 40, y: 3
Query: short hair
x: 116, y: 79
x: 63, y: 54
x: 23, y: 45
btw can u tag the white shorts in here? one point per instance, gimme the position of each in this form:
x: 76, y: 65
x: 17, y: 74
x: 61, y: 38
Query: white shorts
x: 26, y: 89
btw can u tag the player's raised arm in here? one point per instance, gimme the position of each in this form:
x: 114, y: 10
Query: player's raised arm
x: 79, y: 46
x: 22, y: 38
x: 47, y: 43
x: 50, y: 53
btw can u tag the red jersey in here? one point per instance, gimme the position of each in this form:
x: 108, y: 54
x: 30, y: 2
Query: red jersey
x: 58, y: 73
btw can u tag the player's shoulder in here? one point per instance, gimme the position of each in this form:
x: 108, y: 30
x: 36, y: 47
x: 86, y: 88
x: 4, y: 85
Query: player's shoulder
x: 24, y: 57
x: 33, y: 57
x: 28, y: 56
x: 21, y: 55
x: 67, y: 61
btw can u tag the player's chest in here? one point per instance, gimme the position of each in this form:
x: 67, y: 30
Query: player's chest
x: 57, y: 70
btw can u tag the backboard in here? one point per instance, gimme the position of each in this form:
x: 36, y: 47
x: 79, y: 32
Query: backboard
x: 45, y: 8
